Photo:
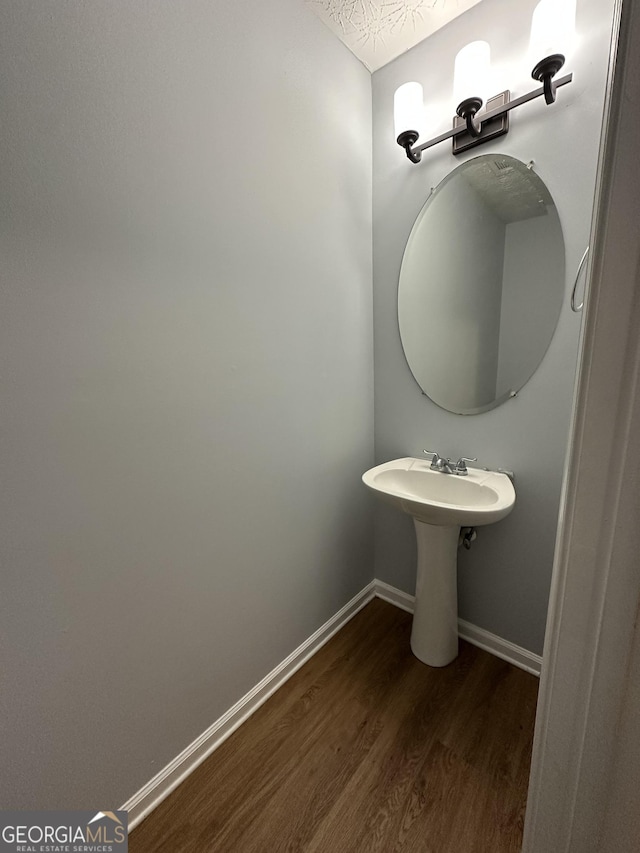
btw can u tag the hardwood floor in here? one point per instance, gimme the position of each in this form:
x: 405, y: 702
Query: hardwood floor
x: 365, y: 749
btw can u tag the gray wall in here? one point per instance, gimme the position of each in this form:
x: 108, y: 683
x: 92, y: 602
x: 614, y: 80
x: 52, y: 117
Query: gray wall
x: 504, y: 579
x: 186, y: 352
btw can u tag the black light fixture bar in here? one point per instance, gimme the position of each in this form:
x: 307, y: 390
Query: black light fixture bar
x: 523, y: 99
x: 414, y: 154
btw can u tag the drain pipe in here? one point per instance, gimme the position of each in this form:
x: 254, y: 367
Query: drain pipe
x: 467, y: 535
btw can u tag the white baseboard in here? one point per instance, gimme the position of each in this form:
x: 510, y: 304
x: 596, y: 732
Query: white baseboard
x: 522, y: 658
x: 164, y: 782
x: 394, y: 596
x: 504, y: 649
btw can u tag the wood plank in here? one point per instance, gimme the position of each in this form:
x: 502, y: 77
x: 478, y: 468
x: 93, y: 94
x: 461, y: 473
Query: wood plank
x: 365, y: 749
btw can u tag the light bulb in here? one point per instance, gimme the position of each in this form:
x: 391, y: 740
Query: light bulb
x: 408, y: 108
x: 471, y: 72
x: 553, y: 27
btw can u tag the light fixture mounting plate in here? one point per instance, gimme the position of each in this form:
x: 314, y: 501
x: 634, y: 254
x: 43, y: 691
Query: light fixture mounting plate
x: 490, y: 129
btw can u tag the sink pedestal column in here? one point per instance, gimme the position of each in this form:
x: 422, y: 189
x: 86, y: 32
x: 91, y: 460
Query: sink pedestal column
x: 434, y: 635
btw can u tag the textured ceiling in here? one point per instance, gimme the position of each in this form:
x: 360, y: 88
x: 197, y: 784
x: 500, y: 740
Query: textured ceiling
x: 377, y: 31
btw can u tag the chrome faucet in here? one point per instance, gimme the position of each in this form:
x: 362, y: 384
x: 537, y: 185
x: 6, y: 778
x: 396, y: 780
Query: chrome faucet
x: 439, y: 463
x: 445, y: 466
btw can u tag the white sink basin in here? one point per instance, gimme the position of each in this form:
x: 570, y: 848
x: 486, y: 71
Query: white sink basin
x: 440, y: 505
x: 481, y: 497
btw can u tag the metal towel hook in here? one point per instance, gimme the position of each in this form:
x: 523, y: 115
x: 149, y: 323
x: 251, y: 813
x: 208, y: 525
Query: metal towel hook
x: 574, y: 307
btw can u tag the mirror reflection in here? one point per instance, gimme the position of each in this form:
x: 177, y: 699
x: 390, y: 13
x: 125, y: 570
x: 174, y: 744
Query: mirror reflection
x: 481, y: 284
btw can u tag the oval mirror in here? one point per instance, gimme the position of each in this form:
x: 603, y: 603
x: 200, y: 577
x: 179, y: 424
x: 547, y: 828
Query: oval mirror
x: 481, y: 284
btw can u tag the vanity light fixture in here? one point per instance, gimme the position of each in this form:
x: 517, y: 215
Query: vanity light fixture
x: 471, y: 126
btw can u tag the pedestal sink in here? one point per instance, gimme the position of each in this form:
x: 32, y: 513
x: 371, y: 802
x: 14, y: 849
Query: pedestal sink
x: 440, y: 505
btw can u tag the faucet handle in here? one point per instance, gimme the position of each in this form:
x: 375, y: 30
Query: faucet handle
x: 461, y: 466
x: 437, y: 462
